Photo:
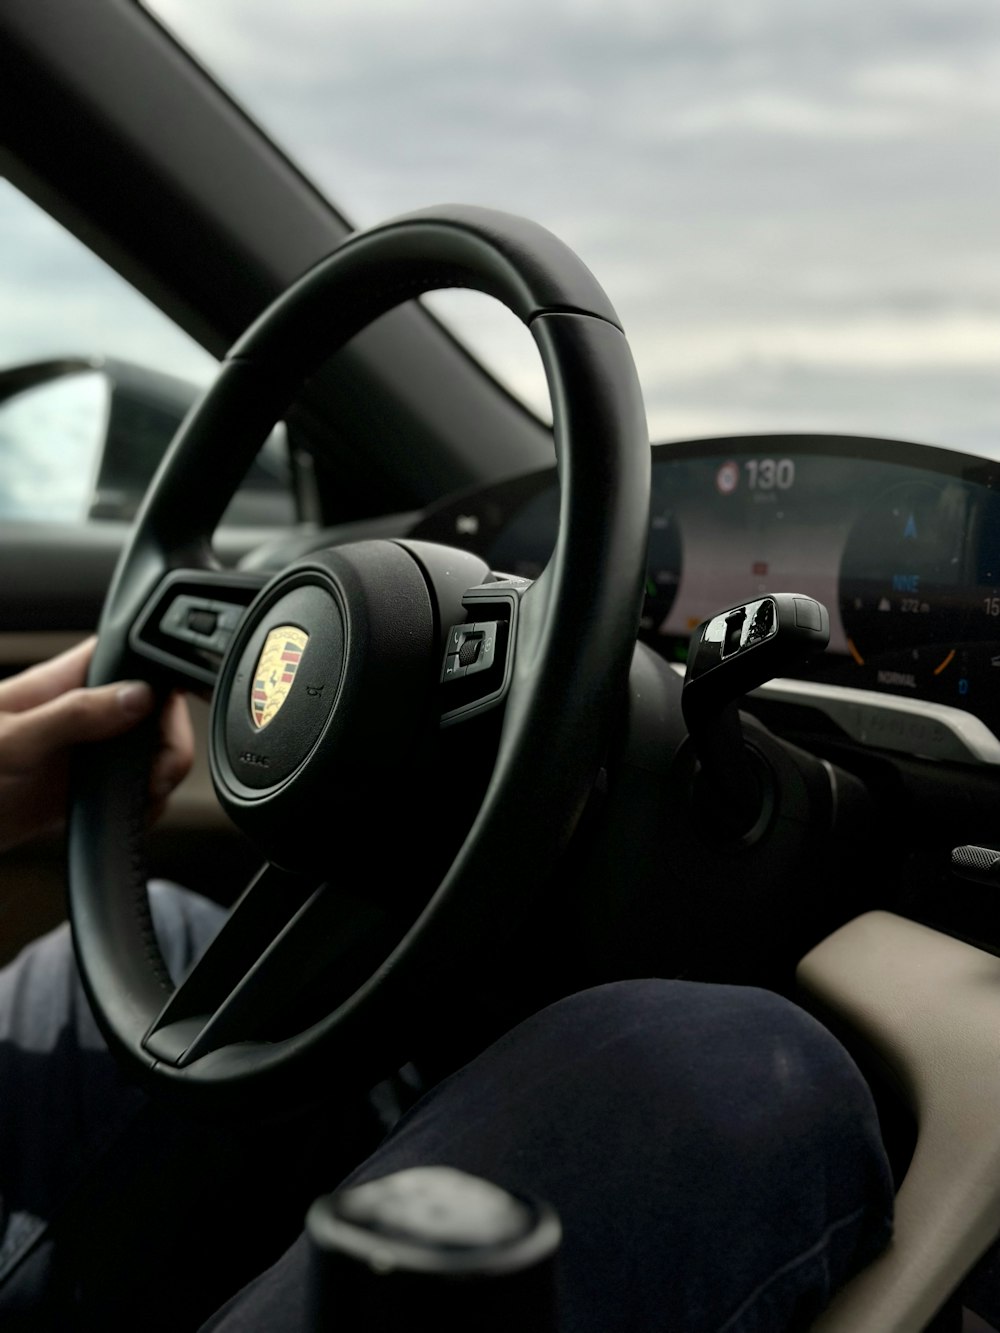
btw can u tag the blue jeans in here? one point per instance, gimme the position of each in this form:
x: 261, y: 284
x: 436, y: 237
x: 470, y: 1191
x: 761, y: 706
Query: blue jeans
x: 712, y: 1151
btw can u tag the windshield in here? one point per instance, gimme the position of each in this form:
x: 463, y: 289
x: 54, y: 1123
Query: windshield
x: 793, y: 207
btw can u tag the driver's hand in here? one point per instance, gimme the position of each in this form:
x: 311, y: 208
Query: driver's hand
x: 46, y: 710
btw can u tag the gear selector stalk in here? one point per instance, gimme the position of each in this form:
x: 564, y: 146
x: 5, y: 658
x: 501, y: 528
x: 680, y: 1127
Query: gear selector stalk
x: 730, y: 654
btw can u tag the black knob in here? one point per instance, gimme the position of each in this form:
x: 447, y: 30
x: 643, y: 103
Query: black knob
x: 432, y: 1247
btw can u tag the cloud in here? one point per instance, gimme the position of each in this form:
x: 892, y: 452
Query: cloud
x: 800, y: 195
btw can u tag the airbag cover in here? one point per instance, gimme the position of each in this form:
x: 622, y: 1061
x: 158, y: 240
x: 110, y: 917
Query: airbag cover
x: 284, y: 687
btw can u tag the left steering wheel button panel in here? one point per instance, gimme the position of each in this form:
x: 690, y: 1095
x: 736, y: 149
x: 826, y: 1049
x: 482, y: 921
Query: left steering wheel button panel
x: 201, y: 621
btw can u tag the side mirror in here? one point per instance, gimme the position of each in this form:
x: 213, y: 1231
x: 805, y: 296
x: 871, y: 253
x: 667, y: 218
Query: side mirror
x: 80, y: 438
x: 53, y: 422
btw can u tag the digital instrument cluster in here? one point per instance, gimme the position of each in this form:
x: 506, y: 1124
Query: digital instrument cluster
x: 901, y: 542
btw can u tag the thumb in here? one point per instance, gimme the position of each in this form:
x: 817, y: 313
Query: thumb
x: 79, y: 715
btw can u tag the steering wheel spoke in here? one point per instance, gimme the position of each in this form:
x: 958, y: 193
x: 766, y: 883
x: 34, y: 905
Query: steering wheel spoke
x: 288, y: 939
x: 189, y: 621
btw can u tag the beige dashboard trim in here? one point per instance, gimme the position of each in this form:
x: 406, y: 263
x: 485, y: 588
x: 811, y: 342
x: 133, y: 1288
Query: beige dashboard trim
x: 20, y: 648
x: 889, y: 721
x: 893, y: 722
x: 929, y: 1007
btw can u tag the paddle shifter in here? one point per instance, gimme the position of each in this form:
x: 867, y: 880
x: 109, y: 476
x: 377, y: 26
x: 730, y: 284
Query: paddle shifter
x: 731, y: 654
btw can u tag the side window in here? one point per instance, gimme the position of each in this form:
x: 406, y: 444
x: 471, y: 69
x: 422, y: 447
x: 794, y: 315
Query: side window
x: 94, y: 381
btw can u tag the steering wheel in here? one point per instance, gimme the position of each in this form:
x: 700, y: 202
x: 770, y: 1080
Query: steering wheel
x: 334, y: 681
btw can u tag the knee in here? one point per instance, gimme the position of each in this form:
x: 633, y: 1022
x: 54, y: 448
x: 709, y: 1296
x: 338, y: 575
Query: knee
x: 743, y: 1067
x: 749, y: 1038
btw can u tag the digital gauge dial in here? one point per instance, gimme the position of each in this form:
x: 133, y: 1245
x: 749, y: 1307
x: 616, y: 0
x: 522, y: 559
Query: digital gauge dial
x: 663, y: 570
x: 916, y: 572
x: 526, y: 542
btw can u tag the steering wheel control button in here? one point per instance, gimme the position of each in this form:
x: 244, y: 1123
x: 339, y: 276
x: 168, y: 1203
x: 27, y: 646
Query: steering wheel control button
x: 201, y: 622
x: 453, y: 669
x: 457, y: 636
x: 283, y: 688
x: 486, y: 635
x: 470, y: 650
x: 176, y: 620
x: 228, y: 614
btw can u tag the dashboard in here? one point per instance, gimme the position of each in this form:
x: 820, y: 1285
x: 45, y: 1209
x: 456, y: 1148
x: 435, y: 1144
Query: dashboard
x: 901, y: 543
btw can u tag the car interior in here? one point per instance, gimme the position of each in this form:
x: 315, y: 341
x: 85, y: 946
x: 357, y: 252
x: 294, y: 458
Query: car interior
x: 716, y: 709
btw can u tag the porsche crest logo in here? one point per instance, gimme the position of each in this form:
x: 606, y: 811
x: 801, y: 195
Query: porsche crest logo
x: 276, y: 667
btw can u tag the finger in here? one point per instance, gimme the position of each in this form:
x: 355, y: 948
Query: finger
x: 38, y: 684
x: 176, y: 755
x: 97, y: 714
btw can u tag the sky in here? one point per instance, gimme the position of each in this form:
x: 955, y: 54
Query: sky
x: 793, y: 204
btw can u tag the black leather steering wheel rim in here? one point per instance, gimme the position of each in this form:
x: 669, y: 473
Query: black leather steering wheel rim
x: 574, y: 640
